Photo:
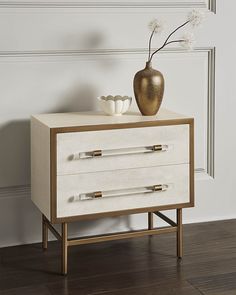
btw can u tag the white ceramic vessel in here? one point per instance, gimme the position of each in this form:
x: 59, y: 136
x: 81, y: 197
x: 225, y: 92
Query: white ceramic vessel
x: 115, y: 105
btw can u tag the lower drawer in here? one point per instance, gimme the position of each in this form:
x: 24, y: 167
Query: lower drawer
x: 110, y: 191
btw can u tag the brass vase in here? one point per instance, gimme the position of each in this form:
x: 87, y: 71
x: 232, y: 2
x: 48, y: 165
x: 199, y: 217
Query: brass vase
x: 148, y: 90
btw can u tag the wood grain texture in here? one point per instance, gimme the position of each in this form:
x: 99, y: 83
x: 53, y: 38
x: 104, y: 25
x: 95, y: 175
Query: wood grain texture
x: 140, y: 266
x: 173, y: 288
x: 37, y: 290
x: 222, y: 284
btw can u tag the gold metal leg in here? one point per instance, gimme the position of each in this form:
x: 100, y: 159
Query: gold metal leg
x: 64, y: 243
x: 44, y: 233
x: 150, y: 220
x: 179, y: 234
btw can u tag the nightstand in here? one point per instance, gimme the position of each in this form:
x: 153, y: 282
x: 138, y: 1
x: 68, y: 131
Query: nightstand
x: 89, y: 165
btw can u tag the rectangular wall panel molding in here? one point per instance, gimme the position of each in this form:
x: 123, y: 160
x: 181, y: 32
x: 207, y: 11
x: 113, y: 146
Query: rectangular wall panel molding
x: 101, y: 52
x: 172, y: 4
x: 62, y: 67
x: 211, y: 113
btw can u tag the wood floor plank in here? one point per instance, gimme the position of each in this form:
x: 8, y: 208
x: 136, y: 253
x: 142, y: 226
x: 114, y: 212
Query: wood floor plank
x: 224, y: 284
x: 33, y: 290
x: 112, y: 283
x: 174, y: 287
x: 163, y: 289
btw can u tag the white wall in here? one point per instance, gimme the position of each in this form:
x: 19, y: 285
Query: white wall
x: 59, y: 56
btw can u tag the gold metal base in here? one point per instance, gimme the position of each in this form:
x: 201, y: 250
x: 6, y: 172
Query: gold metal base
x: 179, y: 234
x: 44, y: 233
x: 150, y: 220
x: 66, y: 243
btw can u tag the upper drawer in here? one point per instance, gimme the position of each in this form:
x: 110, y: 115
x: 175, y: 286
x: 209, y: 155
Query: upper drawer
x: 80, y: 152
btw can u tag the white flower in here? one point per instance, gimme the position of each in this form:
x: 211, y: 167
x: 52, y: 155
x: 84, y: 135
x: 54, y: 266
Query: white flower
x: 187, y: 41
x: 195, y: 17
x: 156, y: 26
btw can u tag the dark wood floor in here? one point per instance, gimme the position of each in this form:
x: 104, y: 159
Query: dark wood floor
x: 142, y: 266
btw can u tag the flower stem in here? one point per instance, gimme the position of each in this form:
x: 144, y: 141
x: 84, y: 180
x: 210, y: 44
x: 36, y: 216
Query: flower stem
x: 164, y: 45
x: 150, y: 43
x: 166, y: 41
x: 179, y: 27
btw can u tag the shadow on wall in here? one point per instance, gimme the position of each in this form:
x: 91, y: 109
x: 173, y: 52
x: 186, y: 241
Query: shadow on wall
x: 15, y: 134
x: 15, y: 145
x: 15, y: 153
x: 15, y: 137
x: 79, y: 96
x: 15, y: 169
x: 78, y: 99
x: 100, y: 226
x: 89, y: 40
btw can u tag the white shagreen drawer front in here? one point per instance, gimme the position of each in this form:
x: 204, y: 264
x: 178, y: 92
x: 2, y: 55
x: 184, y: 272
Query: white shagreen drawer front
x: 71, y: 188
x: 122, y: 149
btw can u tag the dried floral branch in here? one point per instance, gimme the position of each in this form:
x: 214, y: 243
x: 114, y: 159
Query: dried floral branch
x: 156, y: 27
x: 194, y: 18
x: 166, y: 41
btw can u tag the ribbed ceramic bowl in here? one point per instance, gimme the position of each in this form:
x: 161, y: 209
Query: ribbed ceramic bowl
x: 114, y: 105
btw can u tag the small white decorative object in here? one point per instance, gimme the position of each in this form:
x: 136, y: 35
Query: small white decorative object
x: 114, y: 105
x: 195, y: 17
x: 187, y: 41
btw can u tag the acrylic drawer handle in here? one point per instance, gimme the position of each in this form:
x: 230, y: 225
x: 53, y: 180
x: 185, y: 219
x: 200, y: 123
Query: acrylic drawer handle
x: 121, y: 192
x: 122, y: 151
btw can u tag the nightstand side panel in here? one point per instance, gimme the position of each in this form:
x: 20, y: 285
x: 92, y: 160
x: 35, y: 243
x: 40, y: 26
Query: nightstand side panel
x: 40, y: 166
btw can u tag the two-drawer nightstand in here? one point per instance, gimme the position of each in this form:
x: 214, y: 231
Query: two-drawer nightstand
x: 89, y: 165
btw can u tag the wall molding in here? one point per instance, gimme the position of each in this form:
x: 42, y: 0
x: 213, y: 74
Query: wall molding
x: 210, y: 4
x: 211, y: 113
x: 210, y: 148
x: 105, y: 52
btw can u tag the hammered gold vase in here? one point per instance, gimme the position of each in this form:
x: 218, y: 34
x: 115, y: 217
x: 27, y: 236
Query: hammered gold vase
x: 148, y: 90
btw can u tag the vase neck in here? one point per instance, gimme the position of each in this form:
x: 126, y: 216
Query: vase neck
x: 148, y: 65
